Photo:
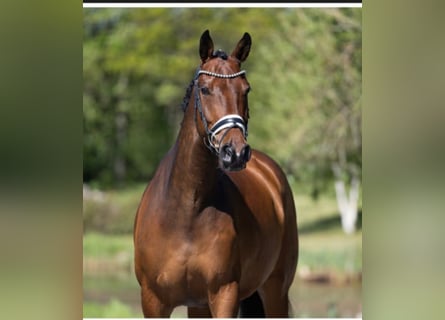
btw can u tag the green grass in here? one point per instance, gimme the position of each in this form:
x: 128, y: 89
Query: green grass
x: 332, y: 251
x: 113, y: 309
x: 96, y: 245
x: 127, y: 198
x: 310, y: 210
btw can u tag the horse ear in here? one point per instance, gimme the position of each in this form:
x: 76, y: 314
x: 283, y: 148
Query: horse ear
x: 205, y: 46
x: 241, y: 52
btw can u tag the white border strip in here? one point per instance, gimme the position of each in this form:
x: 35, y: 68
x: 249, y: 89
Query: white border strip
x: 221, y: 5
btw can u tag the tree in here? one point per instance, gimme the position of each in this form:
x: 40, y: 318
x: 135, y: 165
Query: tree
x: 313, y: 67
x: 137, y: 65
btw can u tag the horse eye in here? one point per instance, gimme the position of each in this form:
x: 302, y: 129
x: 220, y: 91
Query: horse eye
x: 248, y: 90
x: 205, y: 91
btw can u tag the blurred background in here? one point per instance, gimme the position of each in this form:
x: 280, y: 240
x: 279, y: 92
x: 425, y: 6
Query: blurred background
x: 305, y: 69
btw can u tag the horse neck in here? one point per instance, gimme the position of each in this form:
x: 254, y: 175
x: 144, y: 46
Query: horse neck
x: 194, y: 168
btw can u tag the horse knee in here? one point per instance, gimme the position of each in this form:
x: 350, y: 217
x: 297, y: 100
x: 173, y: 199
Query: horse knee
x: 224, y: 302
x: 152, y: 307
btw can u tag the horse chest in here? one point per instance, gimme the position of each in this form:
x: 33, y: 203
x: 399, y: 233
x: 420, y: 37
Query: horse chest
x: 185, y: 275
x: 187, y: 255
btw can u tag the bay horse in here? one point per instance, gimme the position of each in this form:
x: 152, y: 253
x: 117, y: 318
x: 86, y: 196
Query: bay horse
x: 216, y: 227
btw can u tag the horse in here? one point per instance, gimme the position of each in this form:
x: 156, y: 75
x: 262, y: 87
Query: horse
x: 216, y: 227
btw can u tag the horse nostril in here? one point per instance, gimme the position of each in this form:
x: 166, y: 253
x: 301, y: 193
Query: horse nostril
x: 227, y: 154
x: 246, y: 152
x: 232, y: 160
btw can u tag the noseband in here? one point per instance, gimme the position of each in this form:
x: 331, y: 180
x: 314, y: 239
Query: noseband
x: 225, y: 123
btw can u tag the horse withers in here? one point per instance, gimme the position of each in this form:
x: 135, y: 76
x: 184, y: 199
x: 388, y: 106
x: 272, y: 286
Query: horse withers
x: 216, y: 227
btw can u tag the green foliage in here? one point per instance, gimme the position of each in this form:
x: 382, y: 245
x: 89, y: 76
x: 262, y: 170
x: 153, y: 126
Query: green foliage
x: 310, y: 99
x: 304, y: 68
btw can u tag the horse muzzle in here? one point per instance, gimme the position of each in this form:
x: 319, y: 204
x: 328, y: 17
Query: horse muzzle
x: 231, y: 160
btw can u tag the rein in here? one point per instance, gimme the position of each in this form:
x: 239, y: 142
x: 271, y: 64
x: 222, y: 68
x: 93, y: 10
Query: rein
x: 225, y: 123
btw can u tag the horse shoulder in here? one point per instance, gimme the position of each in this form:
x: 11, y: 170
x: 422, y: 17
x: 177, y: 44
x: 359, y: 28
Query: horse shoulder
x: 287, y: 262
x: 264, y: 184
x: 149, y: 209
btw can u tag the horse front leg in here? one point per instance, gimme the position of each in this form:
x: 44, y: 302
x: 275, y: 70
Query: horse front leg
x: 275, y: 298
x: 224, y: 301
x: 152, y: 307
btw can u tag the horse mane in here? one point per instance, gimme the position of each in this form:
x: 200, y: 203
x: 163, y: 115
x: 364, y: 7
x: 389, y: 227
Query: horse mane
x: 188, y: 92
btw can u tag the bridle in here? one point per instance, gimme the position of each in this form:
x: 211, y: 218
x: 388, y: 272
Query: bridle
x: 225, y: 123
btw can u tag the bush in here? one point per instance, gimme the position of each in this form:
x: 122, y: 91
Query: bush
x: 110, y: 212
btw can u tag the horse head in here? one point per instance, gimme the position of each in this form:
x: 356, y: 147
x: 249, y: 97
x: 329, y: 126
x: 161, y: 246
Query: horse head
x: 221, y: 109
